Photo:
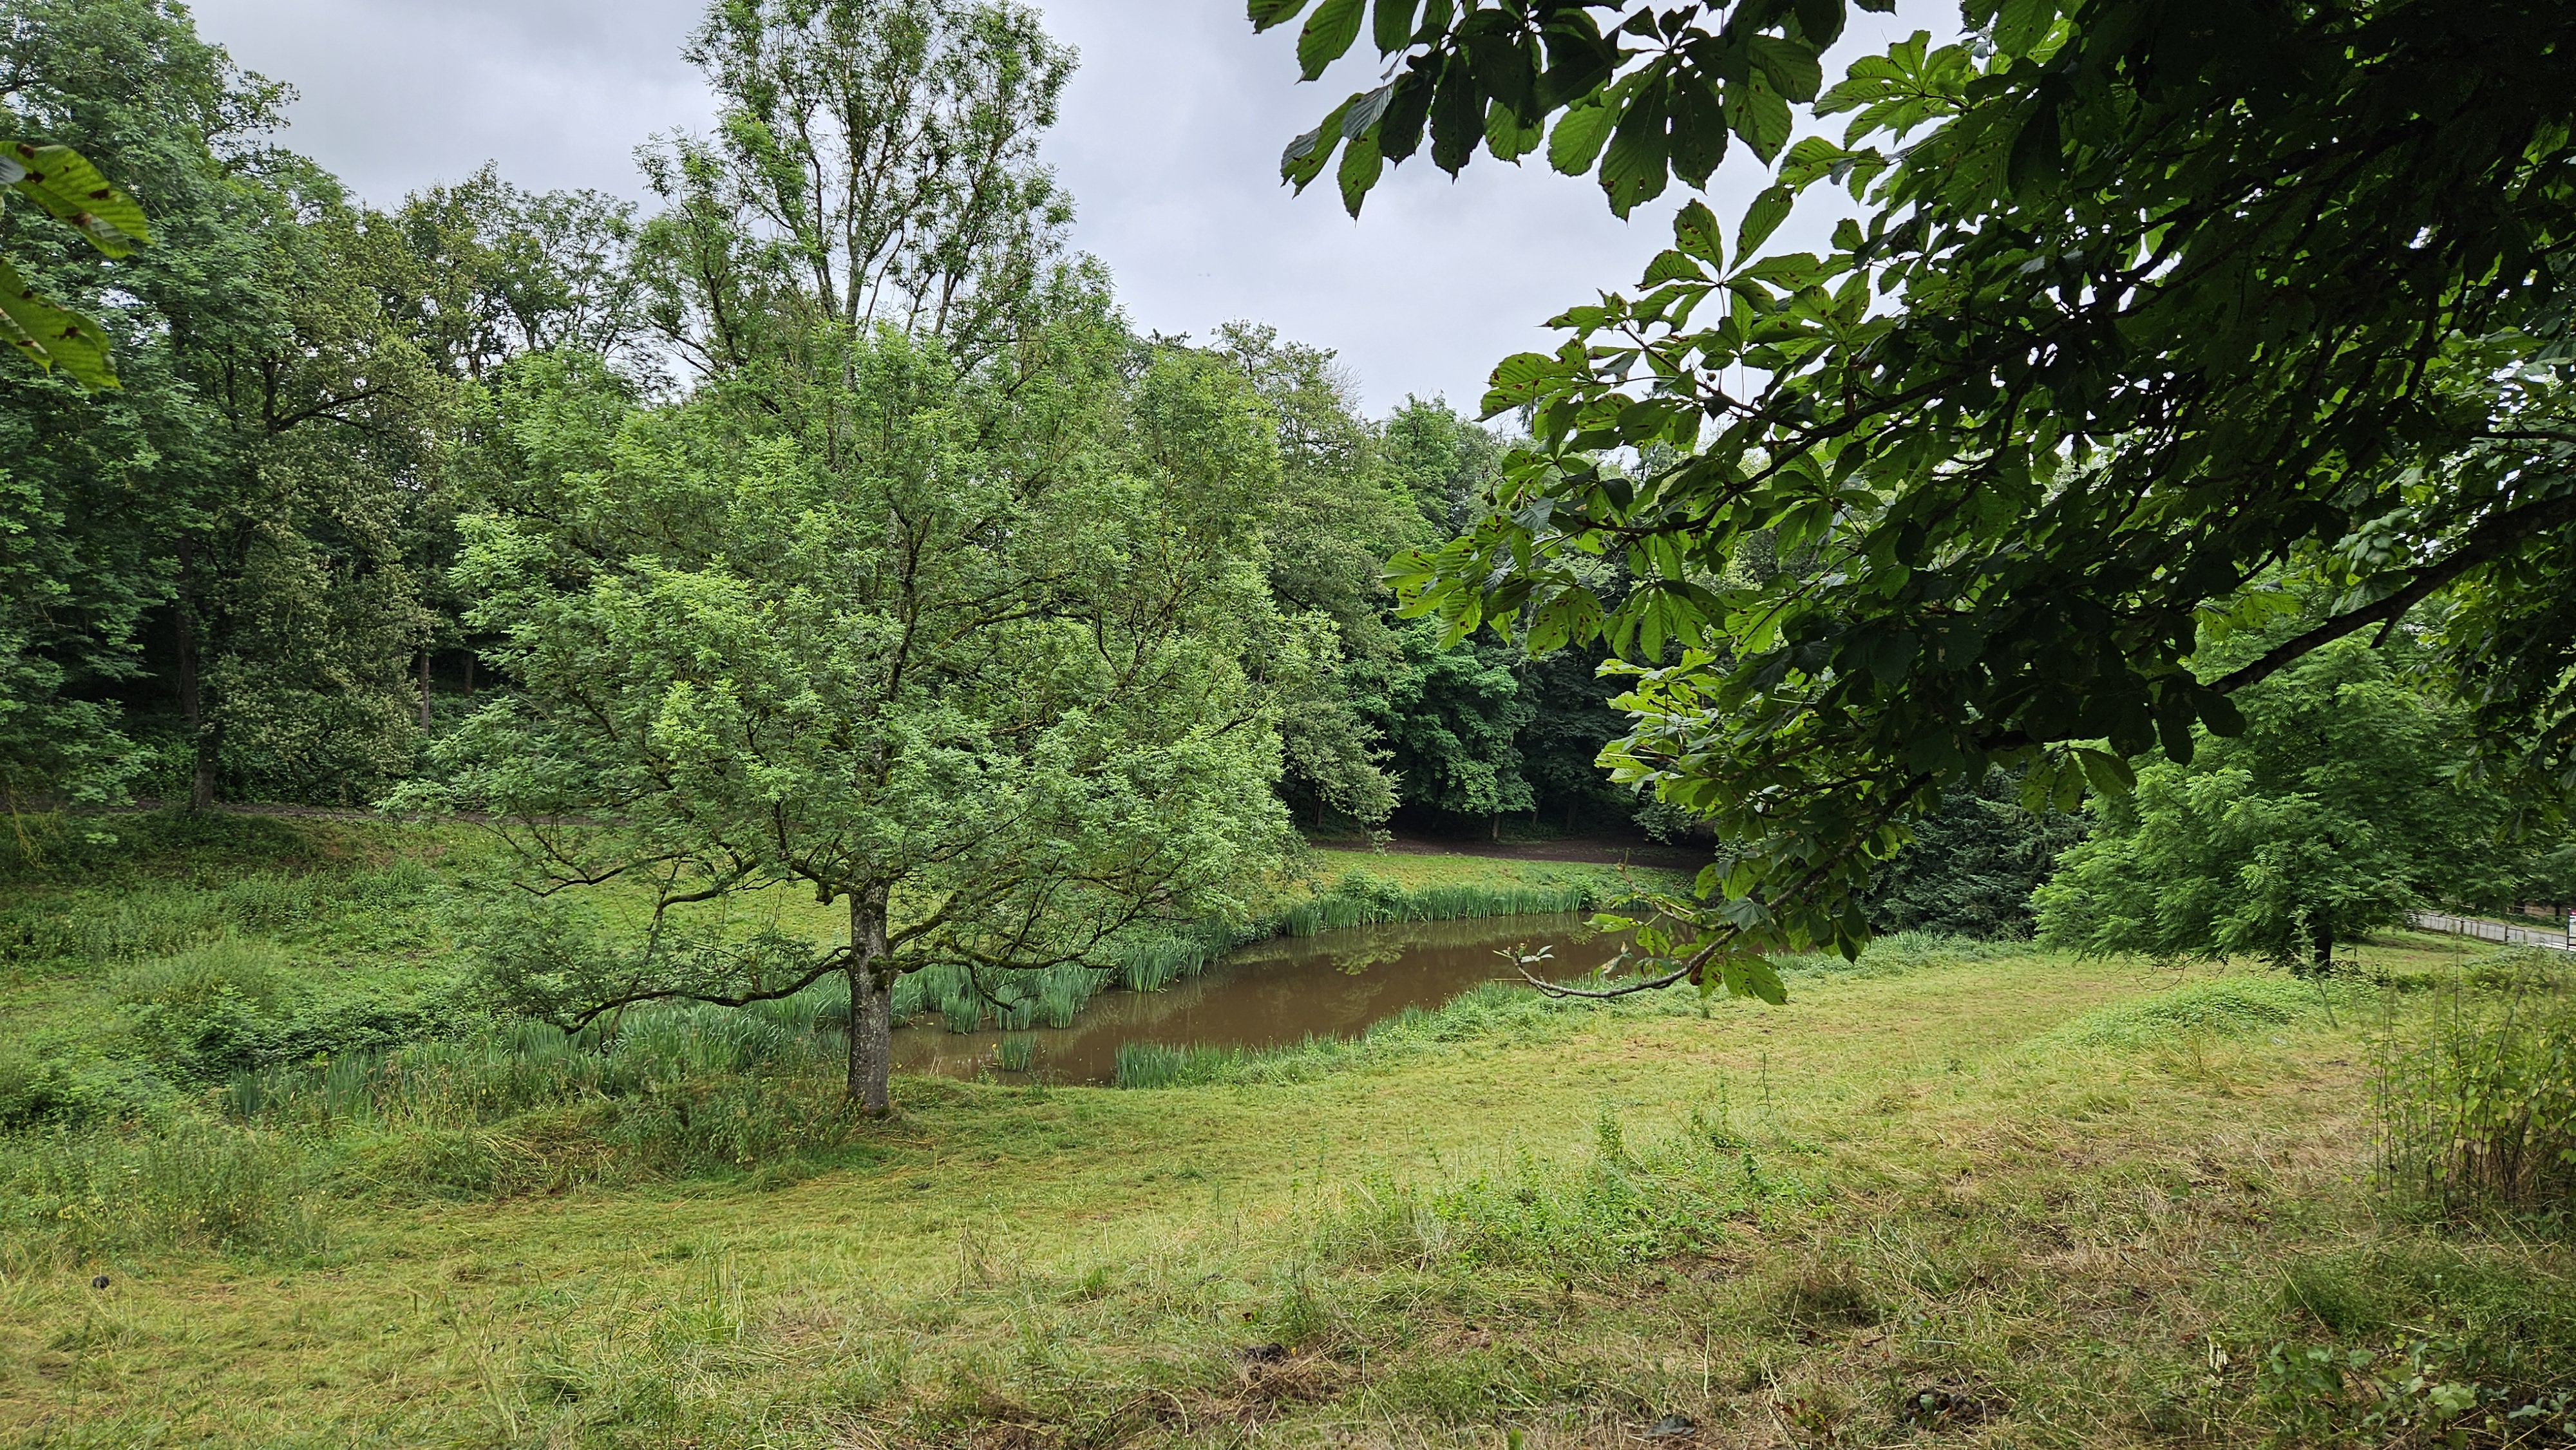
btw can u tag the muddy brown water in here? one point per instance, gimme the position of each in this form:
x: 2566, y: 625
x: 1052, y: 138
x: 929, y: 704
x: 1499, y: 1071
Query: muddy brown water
x: 1275, y: 993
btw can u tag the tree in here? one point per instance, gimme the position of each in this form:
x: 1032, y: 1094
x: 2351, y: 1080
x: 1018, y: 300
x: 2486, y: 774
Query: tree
x: 502, y: 271
x: 1326, y: 533
x: 963, y: 651
x: 297, y: 608
x: 217, y: 539
x: 2336, y: 811
x: 939, y: 597
x: 1446, y: 462
x: 1450, y: 716
x: 2161, y: 305
x: 876, y: 162
x: 1972, y: 864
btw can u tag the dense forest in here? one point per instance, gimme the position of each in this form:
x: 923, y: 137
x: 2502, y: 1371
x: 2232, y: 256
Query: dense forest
x: 261, y: 570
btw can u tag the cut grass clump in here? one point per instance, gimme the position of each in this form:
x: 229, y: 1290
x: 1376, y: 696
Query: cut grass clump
x: 2227, y: 1007
x: 1616, y: 1207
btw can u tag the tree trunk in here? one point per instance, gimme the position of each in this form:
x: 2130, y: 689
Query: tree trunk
x: 2324, y: 948
x: 469, y: 674
x: 871, y: 1002
x: 424, y: 687
x: 1497, y: 832
x: 201, y: 780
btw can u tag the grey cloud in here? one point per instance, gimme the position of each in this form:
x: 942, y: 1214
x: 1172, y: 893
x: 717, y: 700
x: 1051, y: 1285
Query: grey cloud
x: 1169, y: 145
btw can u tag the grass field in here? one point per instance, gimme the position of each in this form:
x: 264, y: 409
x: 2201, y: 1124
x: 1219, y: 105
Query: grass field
x: 1951, y: 1196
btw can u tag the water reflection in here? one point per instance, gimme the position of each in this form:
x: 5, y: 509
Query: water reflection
x: 1277, y: 992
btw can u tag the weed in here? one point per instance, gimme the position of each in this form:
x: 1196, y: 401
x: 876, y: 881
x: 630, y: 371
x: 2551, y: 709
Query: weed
x: 2477, y: 1099
x: 73, y: 1196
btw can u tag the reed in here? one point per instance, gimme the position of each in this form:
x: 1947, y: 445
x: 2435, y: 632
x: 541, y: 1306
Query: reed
x: 1159, y: 1065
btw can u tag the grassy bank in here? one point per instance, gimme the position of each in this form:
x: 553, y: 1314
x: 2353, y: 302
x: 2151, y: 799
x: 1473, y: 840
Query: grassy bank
x: 1954, y: 1193
x: 146, y: 957
x: 1976, y: 1196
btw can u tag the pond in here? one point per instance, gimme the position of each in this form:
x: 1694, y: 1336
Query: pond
x: 1276, y: 993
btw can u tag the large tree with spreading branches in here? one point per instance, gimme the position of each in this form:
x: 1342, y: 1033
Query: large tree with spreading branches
x: 2165, y: 317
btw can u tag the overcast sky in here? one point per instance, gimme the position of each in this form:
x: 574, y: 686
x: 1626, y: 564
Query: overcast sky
x: 1169, y: 143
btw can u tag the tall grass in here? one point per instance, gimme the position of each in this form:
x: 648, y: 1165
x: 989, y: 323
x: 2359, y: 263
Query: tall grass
x: 160, y: 919
x: 2477, y: 1095
x: 72, y: 1196
x: 520, y: 1066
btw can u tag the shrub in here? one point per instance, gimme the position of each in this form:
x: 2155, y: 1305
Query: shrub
x: 214, y: 1011
x: 33, y: 1089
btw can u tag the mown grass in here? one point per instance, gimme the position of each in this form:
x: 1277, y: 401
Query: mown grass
x: 1931, y: 1197
x: 1953, y: 1193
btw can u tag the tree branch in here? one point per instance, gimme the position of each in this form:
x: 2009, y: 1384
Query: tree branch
x: 2488, y: 541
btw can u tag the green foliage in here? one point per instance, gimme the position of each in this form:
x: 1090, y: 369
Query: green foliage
x: 874, y: 164
x: 2477, y: 1097
x: 64, y: 183
x: 2085, y: 390
x: 1451, y: 718
x: 1327, y: 527
x: 2336, y: 810
x: 1972, y: 864
x: 210, y: 578
x: 1026, y: 707
x: 2416, y: 1342
x: 1493, y: 76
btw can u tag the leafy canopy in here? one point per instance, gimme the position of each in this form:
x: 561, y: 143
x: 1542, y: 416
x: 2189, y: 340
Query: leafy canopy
x: 966, y: 652
x: 2160, y: 307
x: 2338, y: 810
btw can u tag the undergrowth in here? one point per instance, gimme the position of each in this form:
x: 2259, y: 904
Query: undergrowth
x: 2477, y: 1092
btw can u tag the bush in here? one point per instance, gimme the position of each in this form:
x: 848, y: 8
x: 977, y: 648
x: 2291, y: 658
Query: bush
x: 34, y: 1089
x: 214, y: 1011
x: 2477, y: 1105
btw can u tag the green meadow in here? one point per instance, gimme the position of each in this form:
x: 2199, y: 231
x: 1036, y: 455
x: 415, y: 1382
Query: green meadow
x: 1952, y: 1193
